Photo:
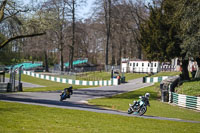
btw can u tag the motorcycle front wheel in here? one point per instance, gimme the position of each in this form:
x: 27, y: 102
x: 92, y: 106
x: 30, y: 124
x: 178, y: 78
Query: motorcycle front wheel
x: 130, y: 111
x: 142, y: 110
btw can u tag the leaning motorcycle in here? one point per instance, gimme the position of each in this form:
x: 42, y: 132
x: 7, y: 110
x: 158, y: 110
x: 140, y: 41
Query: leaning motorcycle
x: 139, y: 107
x: 66, y: 93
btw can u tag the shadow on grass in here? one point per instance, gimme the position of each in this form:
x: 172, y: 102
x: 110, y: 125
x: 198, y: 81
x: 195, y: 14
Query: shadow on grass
x: 192, y: 80
x: 153, y: 90
x: 135, y: 95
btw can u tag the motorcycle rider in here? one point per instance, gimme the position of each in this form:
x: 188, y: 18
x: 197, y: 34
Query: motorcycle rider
x: 144, y: 98
x: 68, y: 91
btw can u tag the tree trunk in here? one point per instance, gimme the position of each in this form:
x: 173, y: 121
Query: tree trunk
x: 113, y: 54
x: 2, y: 7
x: 46, y: 61
x: 198, y: 61
x: 197, y: 75
x: 119, y: 55
x: 61, y: 60
x: 107, y: 9
x: 139, y: 52
x: 73, y: 35
x: 185, y: 73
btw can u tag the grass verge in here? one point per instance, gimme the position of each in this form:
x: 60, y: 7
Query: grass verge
x: 93, y: 76
x: 166, y: 74
x: 24, y: 118
x: 49, y: 85
x: 120, y: 102
x: 190, y: 88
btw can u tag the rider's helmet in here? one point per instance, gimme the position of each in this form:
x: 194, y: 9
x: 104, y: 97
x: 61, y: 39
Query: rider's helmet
x: 147, y: 95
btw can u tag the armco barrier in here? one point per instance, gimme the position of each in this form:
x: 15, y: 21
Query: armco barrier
x: 73, y: 82
x: 154, y: 79
x: 191, y: 102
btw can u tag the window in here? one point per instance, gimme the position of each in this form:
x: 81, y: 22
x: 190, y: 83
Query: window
x: 142, y: 64
x: 133, y: 64
x: 155, y: 65
x: 148, y: 64
x: 151, y: 64
x: 136, y: 64
x: 130, y: 64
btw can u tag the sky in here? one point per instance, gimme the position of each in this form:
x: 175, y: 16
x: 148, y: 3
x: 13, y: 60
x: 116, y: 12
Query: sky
x: 83, y: 12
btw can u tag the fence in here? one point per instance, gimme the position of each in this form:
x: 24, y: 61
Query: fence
x: 154, y: 79
x: 73, y: 82
x: 168, y: 68
x: 144, y: 70
x: 190, y: 102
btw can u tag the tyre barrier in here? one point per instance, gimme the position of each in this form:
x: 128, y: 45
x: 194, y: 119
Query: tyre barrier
x: 154, y: 79
x: 71, y: 81
x: 185, y: 101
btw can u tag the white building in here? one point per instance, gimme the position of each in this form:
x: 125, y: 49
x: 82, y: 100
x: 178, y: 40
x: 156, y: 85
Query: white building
x: 141, y: 66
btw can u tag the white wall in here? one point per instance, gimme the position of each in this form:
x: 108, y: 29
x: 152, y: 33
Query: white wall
x: 124, y: 67
x: 142, y: 66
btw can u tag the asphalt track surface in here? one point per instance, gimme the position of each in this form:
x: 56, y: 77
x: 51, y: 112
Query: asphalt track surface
x: 78, y: 100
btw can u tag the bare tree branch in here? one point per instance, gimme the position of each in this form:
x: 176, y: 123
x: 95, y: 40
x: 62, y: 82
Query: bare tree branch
x: 4, y: 43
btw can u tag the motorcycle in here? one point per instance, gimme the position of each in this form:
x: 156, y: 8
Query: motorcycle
x: 139, y: 107
x: 66, y: 93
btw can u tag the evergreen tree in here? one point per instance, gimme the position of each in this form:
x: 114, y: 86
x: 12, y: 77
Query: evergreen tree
x: 189, y: 15
x: 160, y: 34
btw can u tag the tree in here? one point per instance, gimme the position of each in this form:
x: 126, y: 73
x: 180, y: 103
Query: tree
x: 73, y: 33
x: 12, y: 15
x: 58, y: 12
x: 160, y: 35
x: 107, y: 15
x: 189, y: 15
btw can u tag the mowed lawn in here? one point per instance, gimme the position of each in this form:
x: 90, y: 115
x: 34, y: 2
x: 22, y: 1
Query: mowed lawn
x: 49, y: 85
x: 93, y: 76
x: 121, y: 101
x: 23, y: 118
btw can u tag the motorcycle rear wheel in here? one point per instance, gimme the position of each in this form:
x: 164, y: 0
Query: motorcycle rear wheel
x: 130, y: 111
x: 61, y: 99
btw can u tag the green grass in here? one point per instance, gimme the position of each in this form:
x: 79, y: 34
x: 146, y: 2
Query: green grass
x: 22, y: 118
x: 130, y: 76
x: 93, y: 76
x: 166, y: 74
x: 88, y: 76
x: 120, y: 102
x: 49, y: 85
x: 190, y: 88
